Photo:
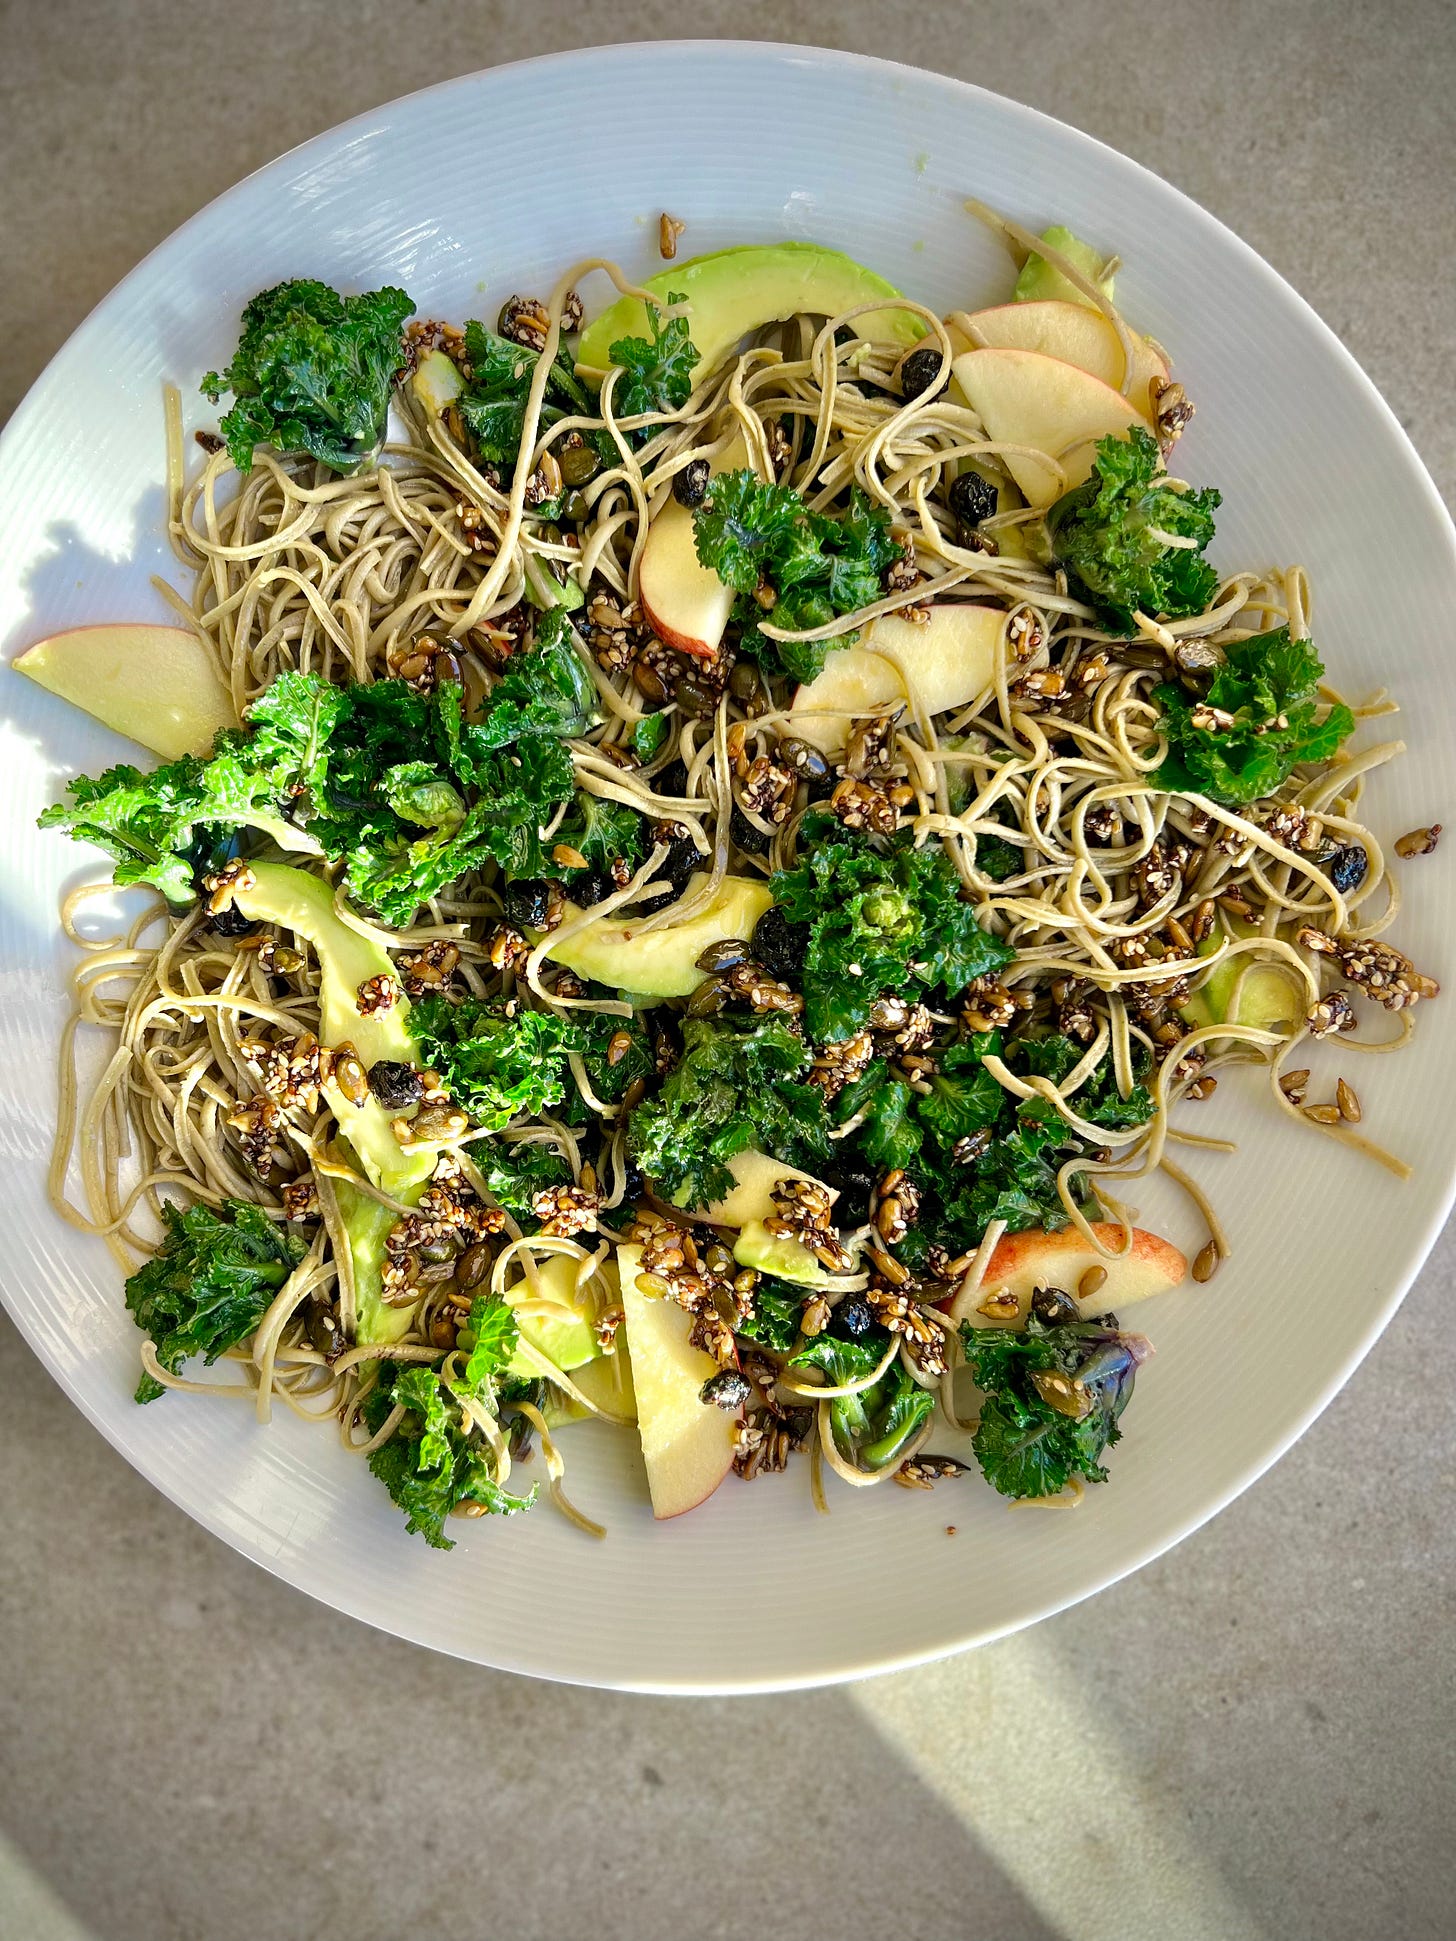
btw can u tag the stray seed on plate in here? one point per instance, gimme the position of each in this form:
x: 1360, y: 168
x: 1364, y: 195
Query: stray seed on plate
x: 668, y: 231
x: 1348, y: 1102
x: 1206, y: 1265
x: 1324, y: 1115
x: 1419, y: 842
x: 1293, y: 1083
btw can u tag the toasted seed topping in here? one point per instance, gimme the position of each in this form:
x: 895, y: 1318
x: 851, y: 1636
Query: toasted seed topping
x: 1348, y: 1102
x: 1419, y: 842
x: 1207, y: 1263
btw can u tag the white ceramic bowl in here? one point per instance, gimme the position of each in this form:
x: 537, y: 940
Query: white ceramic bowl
x: 453, y: 194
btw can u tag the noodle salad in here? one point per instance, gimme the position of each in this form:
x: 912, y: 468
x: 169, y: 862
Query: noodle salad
x: 696, y: 855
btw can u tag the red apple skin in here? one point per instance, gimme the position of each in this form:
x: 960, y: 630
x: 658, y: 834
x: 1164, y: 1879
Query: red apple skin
x: 684, y: 643
x: 1035, y: 1258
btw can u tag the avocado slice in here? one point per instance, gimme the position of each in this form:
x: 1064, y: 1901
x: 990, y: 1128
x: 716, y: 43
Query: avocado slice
x: 569, y: 1344
x: 735, y: 291
x: 1270, y: 999
x: 1039, y: 282
x: 663, y: 963
x: 789, y: 1260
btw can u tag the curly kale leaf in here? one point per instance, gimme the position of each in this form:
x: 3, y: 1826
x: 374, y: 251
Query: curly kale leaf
x: 493, y: 404
x: 545, y: 690
x: 603, y: 831
x: 657, y: 373
x: 873, y: 1427
x: 735, y: 1086
x: 774, y: 1320
x: 889, y: 1134
x: 878, y: 921
x: 615, y: 1052
x: 312, y: 373
x: 498, y: 1061
x: 1053, y: 1397
x: 516, y: 1173
x: 396, y: 785
x: 436, y: 1459
x: 1113, y: 536
x: 1098, y: 1099
x: 210, y: 1283
x: 1268, y: 689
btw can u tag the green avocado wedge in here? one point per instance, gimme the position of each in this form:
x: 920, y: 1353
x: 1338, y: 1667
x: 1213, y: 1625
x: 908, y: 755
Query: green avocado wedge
x: 735, y: 291
x: 1039, y: 282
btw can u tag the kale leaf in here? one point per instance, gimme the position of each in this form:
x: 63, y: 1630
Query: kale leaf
x: 436, y: 1459
x: 600, y: 1034
x: 312, y: 373
x: 396, y: 785
x: 879, y: 920
x: 1053, y: 1396
x: 657, y: 373
x: 872, y: 1427
x: 648, y: 735
x: 1268, y: 687
x: 1113, y: 533
x: 515, y: 1173
x: 498, y: 1061
x: 210, y: 1283
x: 818, y: 565
x: 493, y: 404
x: 735, y: 1086
x: 545, y: 690
x: 774, y: 1319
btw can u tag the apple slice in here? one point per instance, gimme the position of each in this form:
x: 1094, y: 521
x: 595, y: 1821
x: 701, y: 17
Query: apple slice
x: 687, y: 1443
x: 159, y: 685
x: 1073, y: 333
x: 1023, y: 1262
x: 944, y: 663
x: 685, y: 603
x: 755, y: 1174
x: 1024, y: 397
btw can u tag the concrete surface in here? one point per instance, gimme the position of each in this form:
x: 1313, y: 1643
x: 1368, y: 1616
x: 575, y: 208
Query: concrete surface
x: 1252, y: 1738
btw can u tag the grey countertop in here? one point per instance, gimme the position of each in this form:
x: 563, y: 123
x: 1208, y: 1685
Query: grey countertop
x: 1252, y: 1738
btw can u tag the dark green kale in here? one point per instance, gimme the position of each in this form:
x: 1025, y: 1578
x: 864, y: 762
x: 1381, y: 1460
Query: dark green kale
x: 1266, y: 699
x: 1053, y: 1399
x: 998, y: 859
x: 545, y: 690
x: 615, y: 1052
x: 210, y: 1283
x: 493, y: 404
x: 818, y: 565
x: 648, y: 735
x: 1123, y: 537
x: 517, y: 1172
x: 498, y: 1061
x: 312, y: 373
x: 735, y: 1086
x: 774, y: 1321
x: 657, y: 373
x: 1016, y: 1147
x: 396, y: 785
x: 437, y: 1459
x: 872, y: 1428
x: 603, y: 831
x: 879, y: 920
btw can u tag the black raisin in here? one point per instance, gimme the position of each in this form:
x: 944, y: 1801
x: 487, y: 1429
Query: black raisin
x: 852, y: 1319
x: 856, y: 1189
x: 726, y: 1390
x: 919, y: 371
x: 780, y: 946
x: 752, y: 840
x: 1346, y: 868
x: 690, y: 486
x: 395, y: 1085
x: 1052, y: 1307
x: 972, y: 499
x: 230, y: 921
x: 527, y: 902
x: 588, y: 886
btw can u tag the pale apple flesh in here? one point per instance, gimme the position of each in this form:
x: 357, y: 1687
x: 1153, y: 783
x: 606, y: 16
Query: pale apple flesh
x: 755, y: 1174
x: 1023, y: 1262
x: 687, y: 1443
x: 684, y: 602
x: 1026, y: 399
x: 943, y: 663
x: 1073, y: 333
x: 158, y: 685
